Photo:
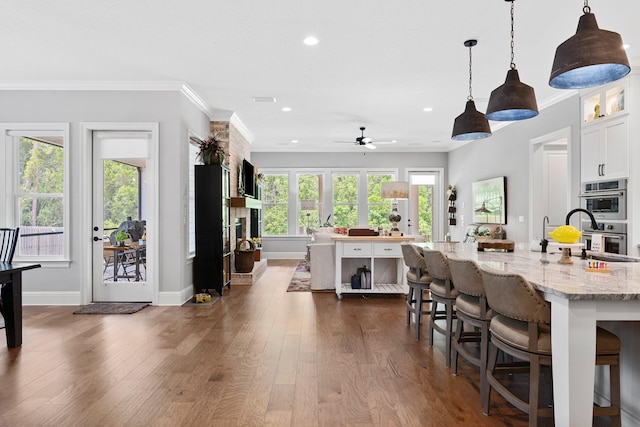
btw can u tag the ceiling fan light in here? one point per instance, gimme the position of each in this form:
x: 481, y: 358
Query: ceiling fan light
x: 591, y: 57
x: 513, y: 100
x: 471, y: 124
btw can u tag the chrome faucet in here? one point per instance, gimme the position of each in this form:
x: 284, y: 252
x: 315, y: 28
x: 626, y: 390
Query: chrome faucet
x: 594, y: 224
x: 544, y: 242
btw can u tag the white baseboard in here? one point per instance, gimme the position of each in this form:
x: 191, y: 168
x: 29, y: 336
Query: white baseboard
x: 175, y: 298
x: 73, y: 298
x: 50, y: 298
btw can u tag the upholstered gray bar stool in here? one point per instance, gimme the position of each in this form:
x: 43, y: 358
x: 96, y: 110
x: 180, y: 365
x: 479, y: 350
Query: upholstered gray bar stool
x: 419, y: 282
x: 521, y: 327
x: 472, y: 310
x: 442, y: 292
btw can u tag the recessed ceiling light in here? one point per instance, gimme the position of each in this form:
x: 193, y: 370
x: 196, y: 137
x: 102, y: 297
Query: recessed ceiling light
x: 427, y: 109
x: 311, y: 41
x: 294, y: 141
x: 264, y: 99
x: 286, y: 109
x: 626, y: 46
x: 394, y: 141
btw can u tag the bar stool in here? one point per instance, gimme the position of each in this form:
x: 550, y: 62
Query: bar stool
x: 521, y: 327
x: 442, y: 292
x: 472, y: 309
x: 418, y: 281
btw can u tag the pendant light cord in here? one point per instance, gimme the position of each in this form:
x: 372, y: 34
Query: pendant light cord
x: 513, y: 64
x: 470, y: 97
x: 586, y: 9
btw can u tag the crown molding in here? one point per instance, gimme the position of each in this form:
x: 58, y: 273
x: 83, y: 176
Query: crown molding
x: 233, y: 119
x: 179, y: 86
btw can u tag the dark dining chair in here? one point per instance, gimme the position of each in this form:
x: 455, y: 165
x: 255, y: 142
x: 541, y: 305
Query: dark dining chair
x: 8, y: 241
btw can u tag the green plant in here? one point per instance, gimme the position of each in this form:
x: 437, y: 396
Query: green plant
x: 482, y: 232
x: 121, y: 236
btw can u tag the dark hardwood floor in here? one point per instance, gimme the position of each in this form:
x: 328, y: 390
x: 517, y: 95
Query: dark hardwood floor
x: 258, y: 356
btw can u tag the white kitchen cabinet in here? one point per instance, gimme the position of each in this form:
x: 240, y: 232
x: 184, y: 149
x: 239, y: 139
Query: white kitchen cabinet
x: 605, y: 102
x: 381, y: 255
x: 605, y: 150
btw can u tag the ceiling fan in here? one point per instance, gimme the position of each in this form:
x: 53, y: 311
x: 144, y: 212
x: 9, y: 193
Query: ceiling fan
x: 366, y: 141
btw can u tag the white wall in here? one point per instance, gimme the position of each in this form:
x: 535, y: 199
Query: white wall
x: 506, y: 153
x: 174, y: 113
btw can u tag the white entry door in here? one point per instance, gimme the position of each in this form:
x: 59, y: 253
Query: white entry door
x: 121, y: 209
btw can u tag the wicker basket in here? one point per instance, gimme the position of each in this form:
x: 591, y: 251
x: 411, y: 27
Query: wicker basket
x: 245, y: 256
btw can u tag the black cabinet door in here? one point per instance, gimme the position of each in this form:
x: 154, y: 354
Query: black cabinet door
x: 210, y: 269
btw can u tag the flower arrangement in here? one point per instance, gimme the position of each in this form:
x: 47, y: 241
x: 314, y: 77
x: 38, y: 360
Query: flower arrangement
x: 211, y: 151
x: 257, y: 241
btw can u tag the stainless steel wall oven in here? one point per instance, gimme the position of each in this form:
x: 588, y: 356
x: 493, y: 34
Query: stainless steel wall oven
x: 607, y: 200
x: 614, y: 235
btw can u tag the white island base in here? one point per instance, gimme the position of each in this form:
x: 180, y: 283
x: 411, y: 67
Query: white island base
x: 382, y: 255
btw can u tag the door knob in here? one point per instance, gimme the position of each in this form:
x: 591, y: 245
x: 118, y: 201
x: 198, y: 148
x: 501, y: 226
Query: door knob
x: 95, y: 228
x: 96, y: 238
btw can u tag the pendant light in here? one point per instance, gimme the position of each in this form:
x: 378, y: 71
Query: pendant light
x: 471, y: 124
x: 591, y: 57
x: 513, y: 100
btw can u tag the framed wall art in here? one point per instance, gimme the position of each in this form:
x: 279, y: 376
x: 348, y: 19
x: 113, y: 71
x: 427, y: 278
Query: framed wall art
x: 489, y: 201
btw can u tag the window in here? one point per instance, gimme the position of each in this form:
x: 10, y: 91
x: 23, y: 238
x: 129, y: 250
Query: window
x: 378, y: 208
x: 37, y: 186
x: 423, y: 188
x: 345, y: 200
x: 275, y: 204
x: 309, y: 192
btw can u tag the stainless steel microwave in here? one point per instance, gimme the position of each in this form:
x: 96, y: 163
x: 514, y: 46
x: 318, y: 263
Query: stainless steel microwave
x: 605, y: 199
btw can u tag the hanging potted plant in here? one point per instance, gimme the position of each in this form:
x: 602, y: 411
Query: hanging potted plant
x: 211, y: 151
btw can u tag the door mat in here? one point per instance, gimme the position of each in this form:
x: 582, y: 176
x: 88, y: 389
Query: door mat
x: 301, y: 279
x: 111, y: 308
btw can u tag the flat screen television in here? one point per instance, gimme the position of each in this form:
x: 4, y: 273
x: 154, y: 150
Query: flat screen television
x: 248, y: 179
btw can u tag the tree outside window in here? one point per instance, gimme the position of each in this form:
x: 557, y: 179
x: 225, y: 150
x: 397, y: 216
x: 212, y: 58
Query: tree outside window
x: 378, y: 208
x: 345, y: 200
x: 309, y: 189
x: 40, y: 196
x: 275, y: 204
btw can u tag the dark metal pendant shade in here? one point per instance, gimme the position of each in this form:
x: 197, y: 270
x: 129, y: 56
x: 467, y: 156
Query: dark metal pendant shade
x: 592, y: 57
x: 513, y: 100
x: 471, y: 124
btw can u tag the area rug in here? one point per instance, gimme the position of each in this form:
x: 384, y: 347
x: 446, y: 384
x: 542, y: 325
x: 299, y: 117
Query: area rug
x: 301, y: 279
x: 111, y: 308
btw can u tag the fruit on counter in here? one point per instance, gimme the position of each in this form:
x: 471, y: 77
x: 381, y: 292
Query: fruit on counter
x: 565, y: 234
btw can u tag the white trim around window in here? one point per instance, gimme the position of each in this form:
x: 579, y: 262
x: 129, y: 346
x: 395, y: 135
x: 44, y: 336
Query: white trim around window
x: 10, y: 135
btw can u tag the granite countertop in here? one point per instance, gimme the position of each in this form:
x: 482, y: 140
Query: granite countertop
x: 567, y: 281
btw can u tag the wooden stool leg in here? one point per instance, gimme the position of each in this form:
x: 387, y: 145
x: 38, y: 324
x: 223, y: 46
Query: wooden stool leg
x: 418, y: 311
x: 614, y: 386
x: 409, y: 302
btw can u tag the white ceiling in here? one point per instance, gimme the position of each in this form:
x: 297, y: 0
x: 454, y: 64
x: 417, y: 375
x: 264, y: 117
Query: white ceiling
x: 378, y: 63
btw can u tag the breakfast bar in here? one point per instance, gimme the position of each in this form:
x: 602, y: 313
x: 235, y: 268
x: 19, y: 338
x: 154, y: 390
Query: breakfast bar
x: 578, y: 300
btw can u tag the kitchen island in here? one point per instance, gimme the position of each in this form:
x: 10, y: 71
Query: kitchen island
x: 382, y: 255
x: 578, y: 300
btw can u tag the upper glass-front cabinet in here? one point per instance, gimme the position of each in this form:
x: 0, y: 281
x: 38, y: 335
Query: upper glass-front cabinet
x: 605, y: 102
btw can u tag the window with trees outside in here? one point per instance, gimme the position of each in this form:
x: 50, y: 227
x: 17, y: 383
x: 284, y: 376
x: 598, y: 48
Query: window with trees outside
x: 37, y: 160
x: 309, y: 200
x: 275, y: 204
x: 378, y: 208
x: 345, y: 199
